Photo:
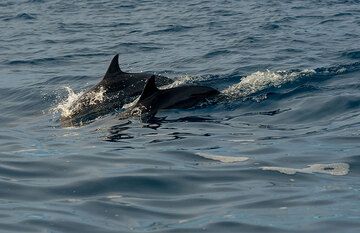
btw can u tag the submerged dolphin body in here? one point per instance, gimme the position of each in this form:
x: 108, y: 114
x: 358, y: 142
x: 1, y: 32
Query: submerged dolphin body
x: 153, y: 99
x: 112, y: 92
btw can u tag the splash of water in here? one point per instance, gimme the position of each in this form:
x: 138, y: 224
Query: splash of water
x: 96, y: 97
x: 64, y: 107
x: 69, y: 106
x: 187, y: 79
x: 261, y: 80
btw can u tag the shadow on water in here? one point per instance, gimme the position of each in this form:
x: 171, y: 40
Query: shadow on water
x: 119, y: 132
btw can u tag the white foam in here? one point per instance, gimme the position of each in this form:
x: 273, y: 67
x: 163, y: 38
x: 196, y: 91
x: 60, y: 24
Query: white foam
x: 261, y: 80
x: 96, y: 97
x: 64, y: 106
x: 221, y: 158
x: 335, y: 169
x: 180, y: 81
x: 68, y: 106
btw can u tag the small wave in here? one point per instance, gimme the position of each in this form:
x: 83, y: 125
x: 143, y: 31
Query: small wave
x: 186, y: 79
x: 261, y: 80
x: 22, y: 16
x: 335, y: 169
x: 32, y: 61
x: 339, y: 69
x: 56, y: 59
x: 171, y: 29
x: 66, y: 79
x: 343, y: 14
x: 219, y: 52
x: 36, y: 1
x: 270, y: 26
x: 352, y: 54
x: 126, y: 6
x: 132, y: 47
x: 329, y: 21
x: 25, y: 16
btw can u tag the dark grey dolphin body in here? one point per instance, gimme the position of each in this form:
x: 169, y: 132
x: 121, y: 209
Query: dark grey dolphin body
x: 153, y: 99
x: 112, y: 92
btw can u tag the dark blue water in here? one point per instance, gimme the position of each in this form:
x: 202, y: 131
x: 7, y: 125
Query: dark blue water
x: 280, y: 153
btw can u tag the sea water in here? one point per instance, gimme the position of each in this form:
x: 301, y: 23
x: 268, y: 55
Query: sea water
x: 279, y: 152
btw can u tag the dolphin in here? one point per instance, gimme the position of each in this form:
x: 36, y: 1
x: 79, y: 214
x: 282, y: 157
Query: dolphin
x: 112, y: 92
x: 153, y: 99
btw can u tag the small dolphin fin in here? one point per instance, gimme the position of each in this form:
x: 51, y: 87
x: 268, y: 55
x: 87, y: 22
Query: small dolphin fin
x: 113, y: 67
x: 149, y: 89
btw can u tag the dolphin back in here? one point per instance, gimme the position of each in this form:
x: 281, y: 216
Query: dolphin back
x: 152, y: 99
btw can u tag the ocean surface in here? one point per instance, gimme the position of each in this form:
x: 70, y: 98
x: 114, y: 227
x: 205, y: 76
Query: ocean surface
x: 280, y: 153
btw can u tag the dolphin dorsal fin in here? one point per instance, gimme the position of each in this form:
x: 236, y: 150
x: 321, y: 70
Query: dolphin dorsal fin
x: 149, y: 89
x: 113, y: 67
